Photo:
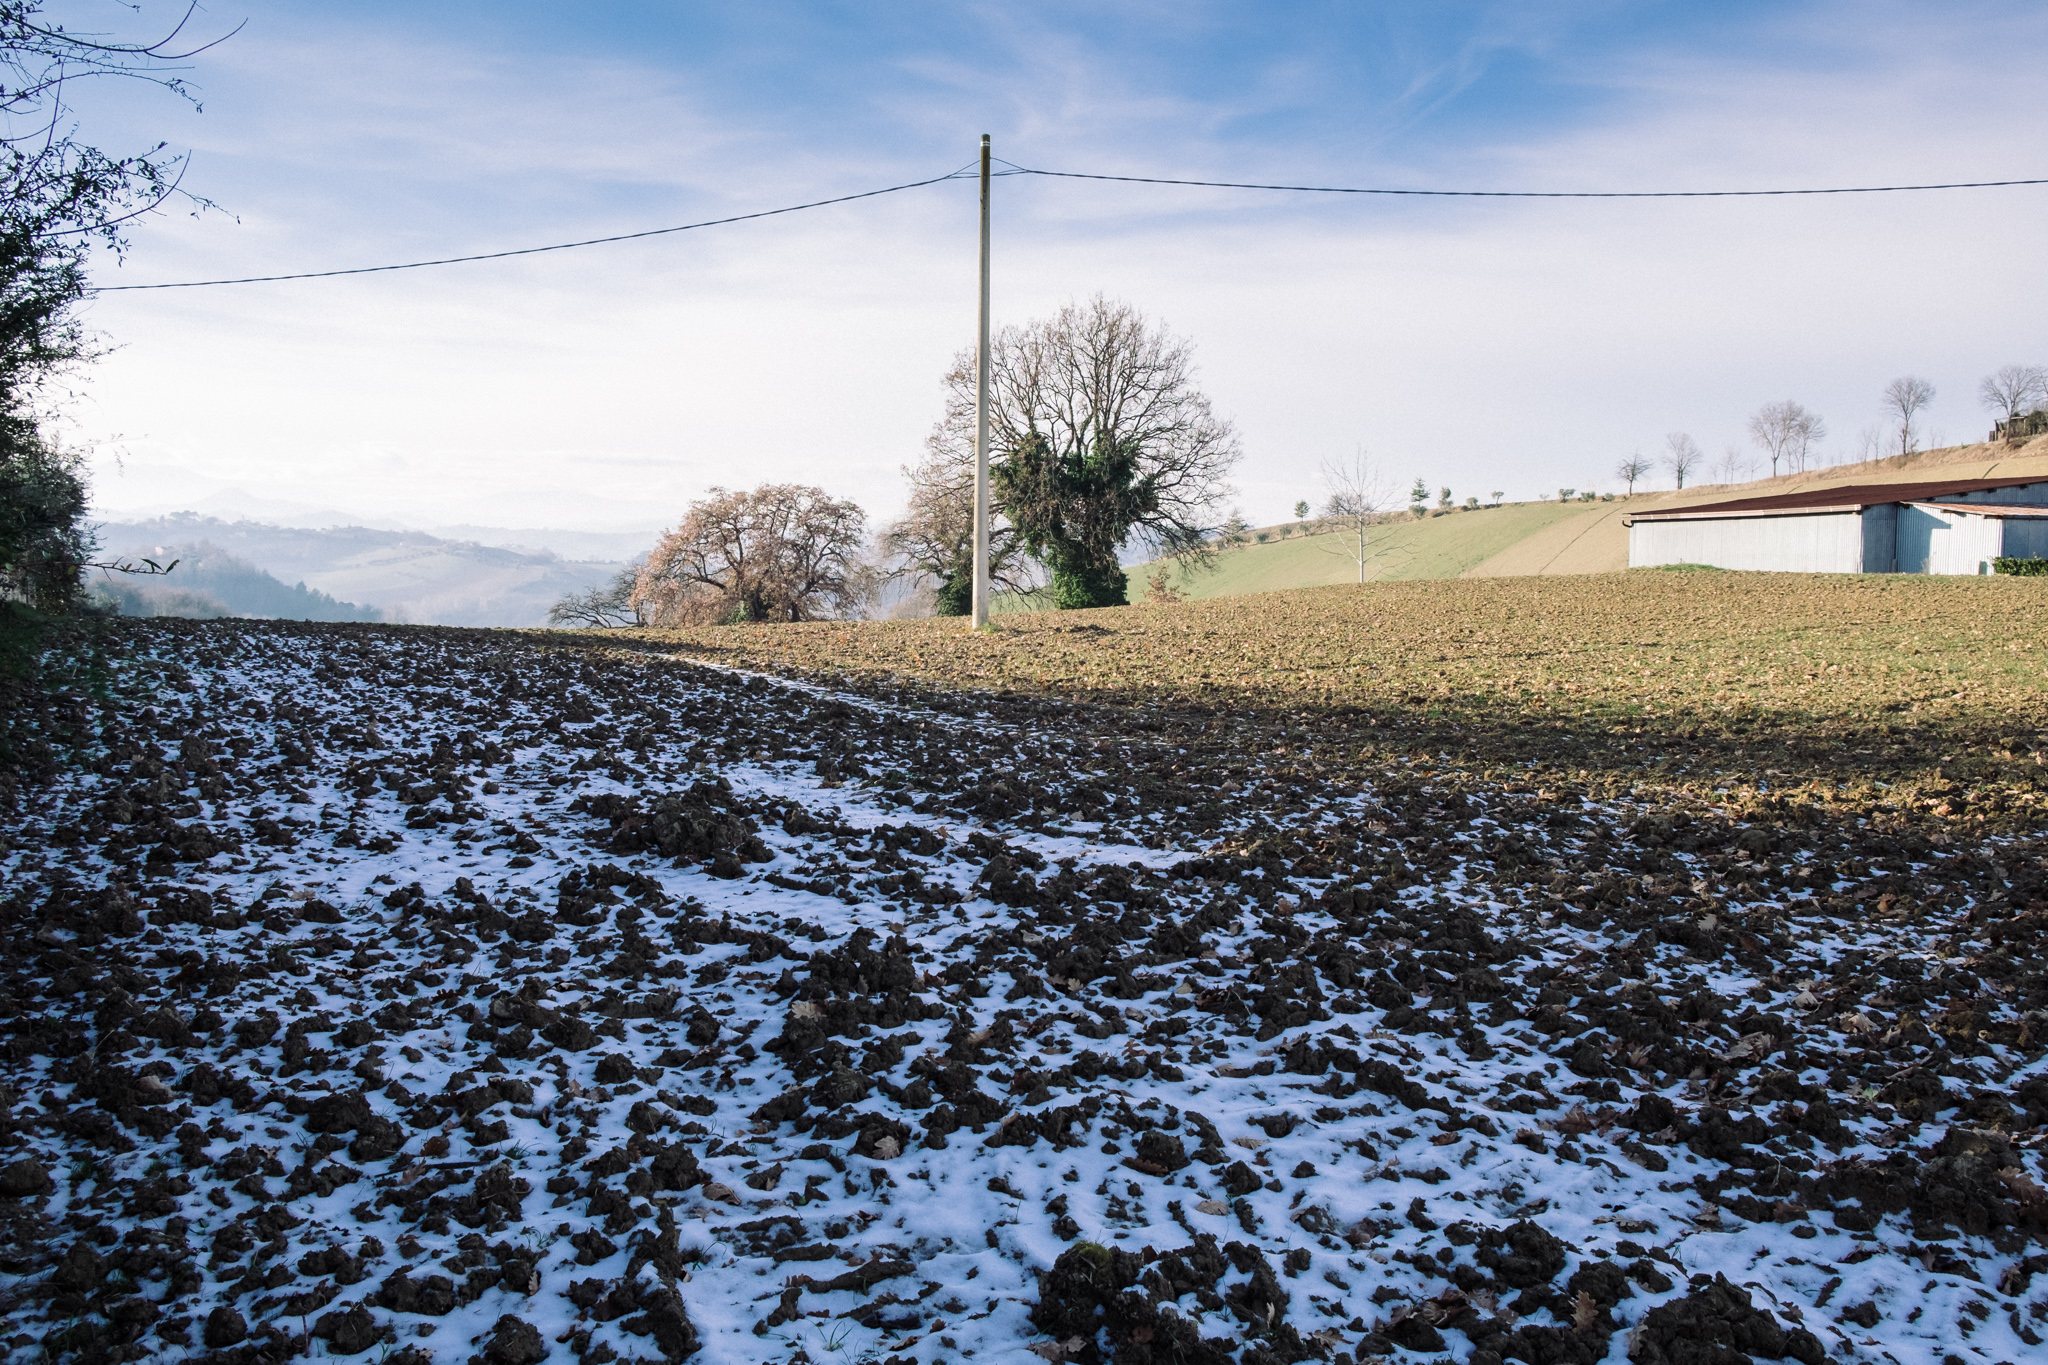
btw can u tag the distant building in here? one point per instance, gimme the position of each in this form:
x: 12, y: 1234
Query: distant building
x: 2024, y: 427
x: 1951, y: 527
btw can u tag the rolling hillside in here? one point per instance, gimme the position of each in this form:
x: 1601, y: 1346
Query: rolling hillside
x: 1521, y: 539
x: 403, y: 575
x: 1437, y: 547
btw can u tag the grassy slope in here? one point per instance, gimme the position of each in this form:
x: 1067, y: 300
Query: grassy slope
x: 1592, y: 541
x: 1438, y: 547
x: 1549, y: 538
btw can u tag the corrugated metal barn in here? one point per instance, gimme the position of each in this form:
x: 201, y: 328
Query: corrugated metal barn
x: 1952, y: 527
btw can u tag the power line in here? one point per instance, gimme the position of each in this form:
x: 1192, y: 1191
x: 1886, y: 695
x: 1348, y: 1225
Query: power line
x: 1014, y: 169
x: 535, y: 250
x: 1528, y: 194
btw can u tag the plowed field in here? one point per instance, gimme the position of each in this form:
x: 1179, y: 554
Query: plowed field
x: 1645, y: 968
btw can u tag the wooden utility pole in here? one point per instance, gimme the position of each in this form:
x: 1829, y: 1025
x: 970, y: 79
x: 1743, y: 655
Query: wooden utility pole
x: 981, y: 366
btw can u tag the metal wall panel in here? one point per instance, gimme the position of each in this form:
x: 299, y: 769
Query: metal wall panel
x: 1884, y: 538
x: 1971, y: 544
x: 1824, y: 543
x: 1918, y: 528
x: 1881, y: 538
x: 2026, y: 538
x: 1940, y: 542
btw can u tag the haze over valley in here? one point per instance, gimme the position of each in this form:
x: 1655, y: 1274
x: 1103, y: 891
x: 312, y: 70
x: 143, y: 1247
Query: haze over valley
x: 466, y: 576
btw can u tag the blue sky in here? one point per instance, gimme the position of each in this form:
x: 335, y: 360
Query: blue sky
x: 1487, y: 346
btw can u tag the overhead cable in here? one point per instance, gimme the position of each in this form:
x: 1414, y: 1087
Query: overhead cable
x: 534, y: 250
x: 1014, y: 169
x: 1526, y: 194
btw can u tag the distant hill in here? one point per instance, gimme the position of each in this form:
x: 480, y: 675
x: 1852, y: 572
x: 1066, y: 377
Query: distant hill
x: 400, y: 575
x: 594, y: 547
x: 206, y: 581
x: 1530, y: 538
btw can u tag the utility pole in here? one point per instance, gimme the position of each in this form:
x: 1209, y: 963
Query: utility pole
x: 981, y: 365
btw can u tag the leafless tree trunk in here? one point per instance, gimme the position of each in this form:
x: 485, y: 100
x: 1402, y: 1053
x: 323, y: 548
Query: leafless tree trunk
x: 1904, y: 398
x: 1632, y: 470
x: 1807, y: 432
x: 1734, y: 465
x: 1359, y: 494
x: 1681, y: 455
x: 609, y: 605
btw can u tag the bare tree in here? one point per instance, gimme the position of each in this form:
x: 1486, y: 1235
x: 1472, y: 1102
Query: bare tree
x: 608, y: 604
x: 1787, y: 432
x: 1359, y: 496
x: 1098, y: 437
x: 1904, y: 398
x: 1807, y: 433
x: 933, y: 543
x: 1634, y: 468
x: 2015, y: 390
x: 780, y: 552
x: 1734, y: 466
x: 1681, y: 455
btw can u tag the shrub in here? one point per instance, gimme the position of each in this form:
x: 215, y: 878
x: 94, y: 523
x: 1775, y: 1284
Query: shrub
x: 1162, y: 591
x: 43, y: 537
x: 2019, y: 567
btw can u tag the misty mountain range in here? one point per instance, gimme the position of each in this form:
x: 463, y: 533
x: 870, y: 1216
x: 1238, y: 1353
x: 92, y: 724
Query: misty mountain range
x: 349, y: 573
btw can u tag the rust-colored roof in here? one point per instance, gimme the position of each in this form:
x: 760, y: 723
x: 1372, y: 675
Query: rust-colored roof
x: 1844, y: 497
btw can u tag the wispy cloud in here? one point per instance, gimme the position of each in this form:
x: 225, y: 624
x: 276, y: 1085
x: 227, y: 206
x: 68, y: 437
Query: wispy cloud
x: 1512, y: 346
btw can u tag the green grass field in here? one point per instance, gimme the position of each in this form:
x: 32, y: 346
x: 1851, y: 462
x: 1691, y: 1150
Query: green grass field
x: 1436, y: 547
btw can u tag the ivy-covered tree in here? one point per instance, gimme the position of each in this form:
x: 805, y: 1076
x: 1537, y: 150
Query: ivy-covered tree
x: 1074, y: 509
x: 1099, y: 440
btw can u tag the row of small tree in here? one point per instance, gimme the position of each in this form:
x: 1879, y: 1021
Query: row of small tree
x: 1786, y: 432
x: 1789, y: 435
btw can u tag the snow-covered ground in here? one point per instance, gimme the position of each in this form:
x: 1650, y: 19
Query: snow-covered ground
x: 441, y: 995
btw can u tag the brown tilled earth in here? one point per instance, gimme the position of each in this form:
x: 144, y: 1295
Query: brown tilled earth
x: 1643, y: 967
x: 1877, y: 695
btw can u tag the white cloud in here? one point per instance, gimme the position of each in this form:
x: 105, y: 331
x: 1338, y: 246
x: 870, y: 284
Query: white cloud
x: 1486, y: 345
